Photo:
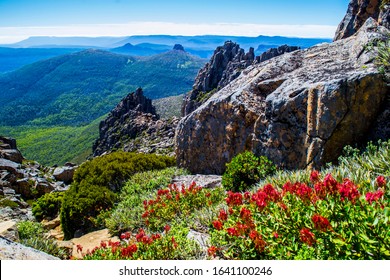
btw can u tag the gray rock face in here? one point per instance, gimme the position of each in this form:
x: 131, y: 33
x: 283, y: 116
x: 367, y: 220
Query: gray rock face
x: 224, y: 66
x: 120, y: 122
x: 274, y: 52
x: 357, y: 14
x: 299, y: 109
x: 10, y: 250
x: 64, y: 173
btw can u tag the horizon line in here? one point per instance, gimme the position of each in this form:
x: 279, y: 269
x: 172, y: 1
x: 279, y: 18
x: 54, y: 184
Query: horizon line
x: 14, y: 34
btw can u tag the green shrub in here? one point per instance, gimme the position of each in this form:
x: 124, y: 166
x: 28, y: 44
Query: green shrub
x: 95, y: 184
x: 127, y: 214
x: 47, y: 206
x: 32, y: 234
x: 246, y: 169
x: 29, y: 229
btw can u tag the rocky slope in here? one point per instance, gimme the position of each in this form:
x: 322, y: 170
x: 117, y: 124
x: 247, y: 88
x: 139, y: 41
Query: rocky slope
x: 226, y: 64
x: 133, y: 125
x: 357, y: 14
x: 299, y: 109
x: 21, y: 180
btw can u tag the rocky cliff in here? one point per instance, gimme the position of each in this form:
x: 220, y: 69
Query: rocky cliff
x: 299, y: 109
x: 133, y: 125
x: 357, y: 14
x: 226, y: 64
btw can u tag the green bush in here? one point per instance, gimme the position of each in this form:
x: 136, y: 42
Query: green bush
x: 31, y: 234
x: 29, y: 229
x: 127, y: 214
x: 246, y: 169
x: 47, y: 206
x: 96, y: 183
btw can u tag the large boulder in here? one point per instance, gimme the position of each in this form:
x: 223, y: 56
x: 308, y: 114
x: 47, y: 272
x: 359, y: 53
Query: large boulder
x: 357, y: 14
x: 10, y: 250
x: 299, y: 109
x: 64, y: 173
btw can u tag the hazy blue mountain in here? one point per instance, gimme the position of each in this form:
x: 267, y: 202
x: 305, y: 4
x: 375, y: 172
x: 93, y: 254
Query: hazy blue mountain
x: 14, y: 58
x: 77, y: 88
x: 61, y: 42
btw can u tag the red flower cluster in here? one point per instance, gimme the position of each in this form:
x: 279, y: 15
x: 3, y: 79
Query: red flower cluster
x: 223, y: 216
x: 307, y: 236
x: 302, y: 190
x: 245, y: 214
x: 212, y: 251
x: 374, y: 196
x: 217, y: 225
x: 127, y: 252
x: 79, y: 248
x: 142, y: 237
x: 257, y: 239
x: 348, y: 190
x: 314, y: 176
x: 381, y: 181
x: 321, y: 223
x: 125, y: 235
x: 167, y: 228
x: 264, y: 195
x: 233, y: 199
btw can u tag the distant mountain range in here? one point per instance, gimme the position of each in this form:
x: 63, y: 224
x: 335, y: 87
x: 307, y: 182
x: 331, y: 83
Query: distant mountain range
x: 13, y: 56
x: 75, y: 89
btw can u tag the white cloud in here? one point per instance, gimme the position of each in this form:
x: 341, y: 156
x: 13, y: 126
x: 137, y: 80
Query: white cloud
x: 14, y: 34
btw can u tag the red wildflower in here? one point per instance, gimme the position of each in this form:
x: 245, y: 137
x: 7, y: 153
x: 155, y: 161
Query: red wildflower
x: 374, y: 196
x: 321, y: 223
x: 125, y: 235
x: 212, y: 251
x: 241, y: 228
x: 381, y: 181
x: 348, y: 190
x: 230, y: 210
x: 232, y: 231
x: 103, y: 244
x: 167, y: 228
x: 257, y: 240
x: 307, y: 236
x: 141, y: 234
x: 217, y: 225
x: 245, y: 214
x: 234, y: 198
x: 275, y: 234
x: 260, y: 198
x: 331, y: 184
x: 79, y: 248
x: 247, y: 195
x: 127, y: 252
x: 304, y: 191
x: 314, y: 176
x: 223, y: 216
x: 156, y: 236
x: 174, y: 242
x: 283, y: 206
x: 272, y: 193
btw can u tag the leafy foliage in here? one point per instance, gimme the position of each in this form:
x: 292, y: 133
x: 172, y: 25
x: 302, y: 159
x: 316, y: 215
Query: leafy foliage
x: 95, y: 183
x: 246, y: 169
x: 326, y: 219
x: 61, y: 144
x: 31, y: 234
x: 127, y: 215
x: 77, y: 88
x: 47, y: 206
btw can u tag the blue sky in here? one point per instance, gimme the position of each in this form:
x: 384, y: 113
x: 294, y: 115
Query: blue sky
x: 21, y: 18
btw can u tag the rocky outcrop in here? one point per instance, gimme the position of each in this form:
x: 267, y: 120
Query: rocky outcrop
x: 274, y: 52
x: 226, y: 64
x: 134, y: 126
x: 21, y: 180
x: 299, y: 109
x: 357, y: 14
x: 178, y: 47
x: 10, y: 250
